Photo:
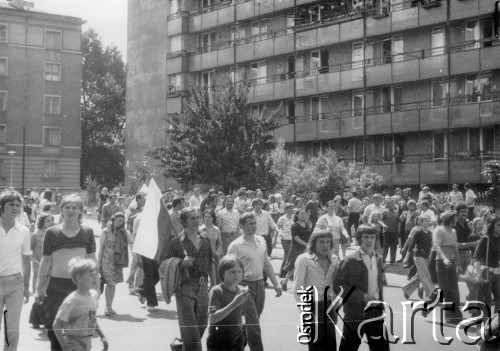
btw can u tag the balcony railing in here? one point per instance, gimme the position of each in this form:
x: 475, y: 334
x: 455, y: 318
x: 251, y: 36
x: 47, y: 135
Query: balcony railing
x: 211, y: 8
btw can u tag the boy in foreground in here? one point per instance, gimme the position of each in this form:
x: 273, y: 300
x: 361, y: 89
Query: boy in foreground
x: 76, y: 319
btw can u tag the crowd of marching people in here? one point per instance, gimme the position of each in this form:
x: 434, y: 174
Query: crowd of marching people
x: 216, y: 260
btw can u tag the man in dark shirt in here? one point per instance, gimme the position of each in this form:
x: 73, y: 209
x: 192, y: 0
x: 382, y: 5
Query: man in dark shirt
x: 391, y: 219
x: 312, y: 208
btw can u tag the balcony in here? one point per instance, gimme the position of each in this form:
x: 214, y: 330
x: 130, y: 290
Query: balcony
x: 264, y: 45
x: 178, y: 23
x: 208, y: 58
x: 212, y: 16
x: 270, y: 88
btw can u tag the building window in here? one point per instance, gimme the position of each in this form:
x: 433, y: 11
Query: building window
x: 357, y: 55
x: 478, y: 88
x: 439, y: 90
x: 357, y: 103
x: 487, y: 141
x: 319, y: 62
x: 53, y: 71
x: 175, y: 83
x: 259, y: 27
x: 472, y: 34
x: 50, y: 169
x: 358, y: 150
x: 3, y: 101
x: 53, y: 40
x: 398, y: 49
x: 207, y: 78
x: 258, y: 72
x: 174, y: 6
x: 52, y: 136
x: 3, y: 33
x: 439, y: 146
x: 437, y: 41
x: 175, y: 44
x: 208, y: 42
x: 3, y: 134
x: 387, y: 151
x: 52, y: 105
x: 3, y: 66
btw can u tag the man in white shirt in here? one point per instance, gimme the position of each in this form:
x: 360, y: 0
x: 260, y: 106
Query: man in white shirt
x: 252, y: 251
x: 334, y: 223
x: 375, y: 206
x: 353, y: 208
x: 195, y: 200
x: 425, y: 210
x: 470, y: 200
x: 15, y: 269
x: 455, y: 196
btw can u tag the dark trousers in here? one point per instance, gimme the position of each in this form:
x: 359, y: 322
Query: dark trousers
x: 374, y: 331
x: 57, y: 290
x: 151, y: 278
x: 269, y: 243
x: 352, y: 220
x: 448, y: 282
x: 286, y: 248
x: 326, y: 329
x: 390, y: 242
x: 253, y: 309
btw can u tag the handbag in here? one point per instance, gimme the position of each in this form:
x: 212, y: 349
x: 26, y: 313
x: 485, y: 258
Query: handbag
x: 480, y: 275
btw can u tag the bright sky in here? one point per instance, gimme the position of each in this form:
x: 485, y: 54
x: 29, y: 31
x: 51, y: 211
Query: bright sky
x: 107, y: 17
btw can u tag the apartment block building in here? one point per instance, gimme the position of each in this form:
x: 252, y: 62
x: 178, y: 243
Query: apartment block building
x: 407, y: 87
x: 40, y: 83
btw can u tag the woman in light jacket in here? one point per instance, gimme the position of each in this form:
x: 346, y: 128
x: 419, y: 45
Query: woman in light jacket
x: 317, y: 267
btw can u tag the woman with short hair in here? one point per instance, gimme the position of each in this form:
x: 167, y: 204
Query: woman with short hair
x: 318, y: 267
x: 444, y: 241
x: 62, y: 243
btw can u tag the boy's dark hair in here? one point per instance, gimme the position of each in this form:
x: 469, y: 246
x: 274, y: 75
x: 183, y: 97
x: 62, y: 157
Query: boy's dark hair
x: 46, y: 208
x: 9, y: 196
x: 78, y: 266
x: 177, y: 201
x: 169, y: 206
x: 226, y: 263
x: 461, y: 206
x: 365, y: 229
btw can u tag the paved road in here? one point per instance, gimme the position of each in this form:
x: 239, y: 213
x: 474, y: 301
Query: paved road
x: 133, y: 328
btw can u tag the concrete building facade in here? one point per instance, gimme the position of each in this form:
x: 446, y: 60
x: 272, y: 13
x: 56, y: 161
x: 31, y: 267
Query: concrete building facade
x: 407, y: 87
x: 40, y: 84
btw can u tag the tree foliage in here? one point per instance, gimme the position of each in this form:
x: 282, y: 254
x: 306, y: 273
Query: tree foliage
x: 324, y: 174
x: 103, y: 111
x: 218, y: 140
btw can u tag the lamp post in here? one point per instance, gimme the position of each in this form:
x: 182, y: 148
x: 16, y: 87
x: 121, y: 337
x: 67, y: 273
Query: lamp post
x: 11, y: 153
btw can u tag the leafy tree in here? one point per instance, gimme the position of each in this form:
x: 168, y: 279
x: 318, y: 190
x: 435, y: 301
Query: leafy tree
x: 218, y: 140
x: 324, y: 174
x: 103, y: 111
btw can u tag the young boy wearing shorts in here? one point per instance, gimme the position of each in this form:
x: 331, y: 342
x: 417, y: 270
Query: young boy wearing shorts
x: 76, y: 321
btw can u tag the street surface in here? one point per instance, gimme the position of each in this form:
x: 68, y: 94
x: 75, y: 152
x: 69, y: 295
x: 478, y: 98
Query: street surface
x: 134, y: 328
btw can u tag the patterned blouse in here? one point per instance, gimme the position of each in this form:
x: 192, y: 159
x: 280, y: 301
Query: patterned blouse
x: 202, y: 256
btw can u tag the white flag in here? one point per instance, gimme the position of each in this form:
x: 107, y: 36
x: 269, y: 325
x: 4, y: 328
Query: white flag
x: 146, y: 240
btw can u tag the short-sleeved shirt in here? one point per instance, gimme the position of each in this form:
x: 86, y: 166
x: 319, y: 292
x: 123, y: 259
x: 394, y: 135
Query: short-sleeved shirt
x: 176, y: 221
x: 228, y: 221
x: 284, y: 225
x: 354, y: 205
x: 202, y: 256
x: 228, y: 332
x: 36, y: 244
x: 63, y: 248
x: 470, y: 198
x: 195, y: 201
x: 79, y: 313
x: 264, y: 223
x: 463, y: 232
x: 13, y: 245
